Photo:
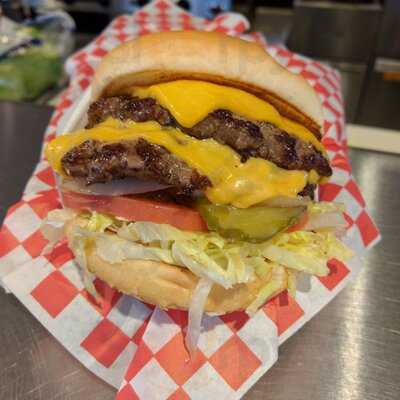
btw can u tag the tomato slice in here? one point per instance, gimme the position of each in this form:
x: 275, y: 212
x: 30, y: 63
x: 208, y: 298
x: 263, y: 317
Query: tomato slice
x: 135, y: 208
x: 300, y: 224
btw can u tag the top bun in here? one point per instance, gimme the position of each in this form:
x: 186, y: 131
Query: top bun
x: 213, y: 57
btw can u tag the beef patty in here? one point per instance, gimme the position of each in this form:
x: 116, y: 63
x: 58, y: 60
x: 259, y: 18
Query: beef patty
x: 101, y: 162
x: 248, y: 138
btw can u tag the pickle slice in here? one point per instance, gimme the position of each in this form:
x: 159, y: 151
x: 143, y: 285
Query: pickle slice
x: 255, y: 224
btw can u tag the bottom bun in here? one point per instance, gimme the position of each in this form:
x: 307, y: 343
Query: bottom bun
x: 166, y: 285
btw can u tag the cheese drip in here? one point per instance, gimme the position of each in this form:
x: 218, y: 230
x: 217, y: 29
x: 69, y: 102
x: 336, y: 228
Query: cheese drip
x: 233, y: 182
x: 191, y: 101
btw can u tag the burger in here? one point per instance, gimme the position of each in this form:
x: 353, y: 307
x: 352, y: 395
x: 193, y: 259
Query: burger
x: 191, y: 184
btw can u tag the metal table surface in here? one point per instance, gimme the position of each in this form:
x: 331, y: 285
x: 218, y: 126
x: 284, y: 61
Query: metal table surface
x: 350, y: 350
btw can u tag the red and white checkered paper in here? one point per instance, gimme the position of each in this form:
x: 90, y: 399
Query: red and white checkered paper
x: 130, y: 344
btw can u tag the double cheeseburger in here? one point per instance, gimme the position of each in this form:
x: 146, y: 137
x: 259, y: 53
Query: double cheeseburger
x: 193, y: 181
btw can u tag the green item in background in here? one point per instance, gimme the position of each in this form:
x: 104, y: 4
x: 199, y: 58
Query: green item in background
x: 26, y: 75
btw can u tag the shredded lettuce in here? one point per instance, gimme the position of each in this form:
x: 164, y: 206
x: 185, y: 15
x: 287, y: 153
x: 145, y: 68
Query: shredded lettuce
x: 212, y: 258
x: 52, y: 227
x: 80, y: 240
x: 99, y: 222
x: 209, y: 256
x: 149, y: 232
x: 326, y: 217
x: 306, y: 251
x: 118, y: 249
x: 201, y: 264
x: 261, y: 266
x: 323, y: 207
x: 277, y: 283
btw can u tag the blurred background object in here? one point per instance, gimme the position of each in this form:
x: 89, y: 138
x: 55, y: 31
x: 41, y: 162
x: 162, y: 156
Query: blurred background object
x: 33, y: 46
x: 343, y: 34
x: 361, y: 38
x: 202, y: 8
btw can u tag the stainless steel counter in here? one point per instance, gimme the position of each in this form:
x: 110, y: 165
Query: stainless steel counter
x: 350, y: 350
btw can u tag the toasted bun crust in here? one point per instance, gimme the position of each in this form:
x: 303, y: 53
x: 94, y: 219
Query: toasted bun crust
x: 165, y: 285
x: 210, y: 56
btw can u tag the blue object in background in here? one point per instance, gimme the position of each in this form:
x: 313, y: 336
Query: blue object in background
x: 209, y: 8
x: 201, y: 8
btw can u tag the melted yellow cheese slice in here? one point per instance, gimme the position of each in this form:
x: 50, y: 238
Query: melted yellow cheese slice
x: 191, y: 101
x: 233, y: 182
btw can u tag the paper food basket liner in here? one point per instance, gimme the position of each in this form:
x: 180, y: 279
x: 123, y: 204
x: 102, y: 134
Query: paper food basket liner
x: 131, y: 345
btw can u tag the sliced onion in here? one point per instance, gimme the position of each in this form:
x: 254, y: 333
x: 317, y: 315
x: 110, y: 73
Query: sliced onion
x: 117, y: 187
x: 282, y: 201
x: 329, y: 220
x: 196, y: 310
